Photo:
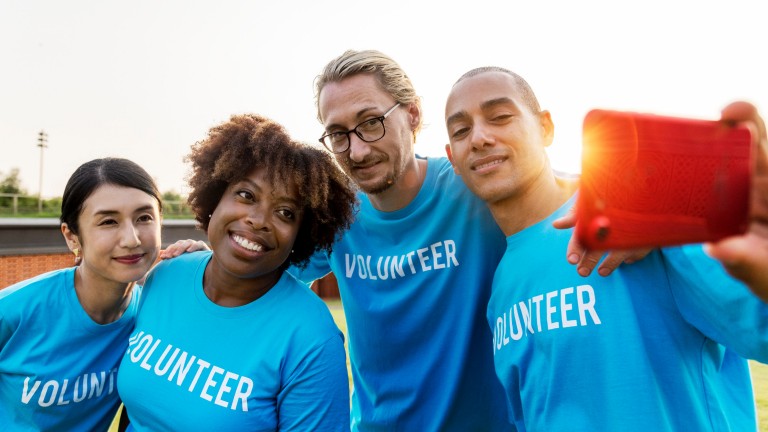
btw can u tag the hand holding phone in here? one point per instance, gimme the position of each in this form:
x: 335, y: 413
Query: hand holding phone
x: 650, y: 180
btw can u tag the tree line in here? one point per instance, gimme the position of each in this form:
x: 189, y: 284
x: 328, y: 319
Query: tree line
x: 16, y: 201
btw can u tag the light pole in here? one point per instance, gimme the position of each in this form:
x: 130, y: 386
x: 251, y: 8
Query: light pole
x: 42, y: 142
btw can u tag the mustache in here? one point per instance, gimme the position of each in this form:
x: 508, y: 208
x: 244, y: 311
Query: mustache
x: 371, y: 160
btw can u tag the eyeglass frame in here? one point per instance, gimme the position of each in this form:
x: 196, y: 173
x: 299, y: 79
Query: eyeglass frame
x: 359, y: 135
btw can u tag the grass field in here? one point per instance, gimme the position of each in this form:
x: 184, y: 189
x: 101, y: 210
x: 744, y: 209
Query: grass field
x: 759, y: 372
x: 760, y: 383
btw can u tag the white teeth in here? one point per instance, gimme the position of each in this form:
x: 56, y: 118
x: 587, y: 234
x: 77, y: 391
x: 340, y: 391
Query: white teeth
x: 485, y: 165
x: 246, y: 244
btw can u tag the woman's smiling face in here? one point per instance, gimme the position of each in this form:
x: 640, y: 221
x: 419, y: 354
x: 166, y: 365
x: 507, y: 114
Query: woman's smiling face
x: 254, y: 226
x: 119, y: 233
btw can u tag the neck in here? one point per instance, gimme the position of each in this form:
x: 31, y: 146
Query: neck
x: 104, y: 302
x: 404, y: 190
x: 227, y: 290
x: 532, y: 204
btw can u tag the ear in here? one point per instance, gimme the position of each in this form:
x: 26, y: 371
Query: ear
x: 73, y: 241
x: 450, y: 158
x: 548, y: 128
x: 414, y: 115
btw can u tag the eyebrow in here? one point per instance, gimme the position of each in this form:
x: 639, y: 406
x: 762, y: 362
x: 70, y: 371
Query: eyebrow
x: 108, y: 212
x: 483, y: 106
x: 360, y: 113
x: 258, y: 189
x: 498, y: 101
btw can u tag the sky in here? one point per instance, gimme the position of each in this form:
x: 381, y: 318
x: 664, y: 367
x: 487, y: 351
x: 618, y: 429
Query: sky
x: 146, y: 79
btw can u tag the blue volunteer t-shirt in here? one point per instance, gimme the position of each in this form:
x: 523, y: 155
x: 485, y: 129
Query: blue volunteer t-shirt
x: 58, y: 368
x: 415, y: 285
x: 656, y: 346
x: 277, y: 363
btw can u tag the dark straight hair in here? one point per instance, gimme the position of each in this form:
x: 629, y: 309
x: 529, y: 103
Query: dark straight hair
x: 90, y: 175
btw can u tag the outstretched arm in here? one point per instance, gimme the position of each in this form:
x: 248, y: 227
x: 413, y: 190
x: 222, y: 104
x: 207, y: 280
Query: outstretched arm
x: 746, y: 257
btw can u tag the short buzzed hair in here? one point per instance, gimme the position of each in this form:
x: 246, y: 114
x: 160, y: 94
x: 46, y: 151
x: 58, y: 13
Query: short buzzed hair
x: 529, y: 97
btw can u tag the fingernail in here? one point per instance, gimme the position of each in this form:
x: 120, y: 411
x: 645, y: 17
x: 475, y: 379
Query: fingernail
x: 573, y: 258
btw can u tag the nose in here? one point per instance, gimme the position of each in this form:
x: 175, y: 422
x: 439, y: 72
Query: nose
x: 358, y: 149
x: 258, y: 219
x: 481, y: 136
x: 130, y: 237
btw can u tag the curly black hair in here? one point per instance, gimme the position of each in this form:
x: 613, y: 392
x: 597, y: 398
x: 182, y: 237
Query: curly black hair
x: 234, y: 148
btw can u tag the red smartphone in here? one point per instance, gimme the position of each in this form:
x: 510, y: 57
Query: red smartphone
x: 649, y: 180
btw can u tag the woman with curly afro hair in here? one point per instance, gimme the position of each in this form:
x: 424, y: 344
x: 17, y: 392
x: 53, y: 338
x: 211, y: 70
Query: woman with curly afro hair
x: 227, y: 339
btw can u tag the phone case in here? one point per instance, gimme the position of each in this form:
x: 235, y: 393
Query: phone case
x: 650, y: 180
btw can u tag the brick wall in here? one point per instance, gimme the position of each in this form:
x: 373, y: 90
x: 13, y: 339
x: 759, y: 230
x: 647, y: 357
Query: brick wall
x: 16, y: 268
x: 326, y: 287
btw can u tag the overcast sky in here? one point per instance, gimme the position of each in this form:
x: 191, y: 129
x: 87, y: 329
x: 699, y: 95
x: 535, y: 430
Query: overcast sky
x: 146, y: 79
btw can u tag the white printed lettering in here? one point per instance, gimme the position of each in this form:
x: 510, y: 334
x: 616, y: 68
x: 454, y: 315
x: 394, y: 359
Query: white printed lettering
x: 225, y: 388
x: 244, y: 388
x: 144, y: 363
x: 210, y: 382
x: 26, y: 394
x: 565, y: 306
x: 586, y: 306
x: 551, y: 325
x: 511, y: 323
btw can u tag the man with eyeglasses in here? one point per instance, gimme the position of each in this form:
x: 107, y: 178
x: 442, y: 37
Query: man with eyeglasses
x: 415, y: 268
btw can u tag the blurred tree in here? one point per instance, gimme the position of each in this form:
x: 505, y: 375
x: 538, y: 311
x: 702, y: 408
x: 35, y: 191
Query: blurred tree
x: 172, y: 196
x: 11, y: 183
x: 175, y: 204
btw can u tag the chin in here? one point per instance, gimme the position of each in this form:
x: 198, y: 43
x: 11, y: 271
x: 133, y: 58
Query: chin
x: 129, y: 279
x: 377, y: 189
x: 489, y: 195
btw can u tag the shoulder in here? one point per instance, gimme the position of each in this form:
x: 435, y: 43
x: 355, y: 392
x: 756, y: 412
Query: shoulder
x: 312, y: 309
x: 441, y: 178
x: 41, y: 283
x: 182, y: 262
x: 174, y: 272
x: 442, y: 168
x: 36, y: 296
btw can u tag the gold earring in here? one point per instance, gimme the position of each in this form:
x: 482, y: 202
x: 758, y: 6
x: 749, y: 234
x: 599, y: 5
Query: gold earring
x: 76, y: 251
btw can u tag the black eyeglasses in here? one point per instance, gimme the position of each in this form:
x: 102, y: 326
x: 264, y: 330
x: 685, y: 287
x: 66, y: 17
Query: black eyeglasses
x: 369, y: 131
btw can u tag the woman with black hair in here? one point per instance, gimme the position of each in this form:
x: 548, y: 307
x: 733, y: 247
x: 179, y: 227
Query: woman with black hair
x: 63, y: 333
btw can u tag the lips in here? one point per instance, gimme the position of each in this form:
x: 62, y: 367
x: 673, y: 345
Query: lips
x: 129, y: 259
x: 487, y: 163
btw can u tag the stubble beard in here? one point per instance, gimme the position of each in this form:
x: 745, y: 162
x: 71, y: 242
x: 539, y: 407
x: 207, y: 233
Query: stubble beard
x: 379, y: 186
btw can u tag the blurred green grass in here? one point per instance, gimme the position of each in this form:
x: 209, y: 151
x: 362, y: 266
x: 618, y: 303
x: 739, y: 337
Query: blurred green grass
x: 760, y: 385
x: 759, y: 371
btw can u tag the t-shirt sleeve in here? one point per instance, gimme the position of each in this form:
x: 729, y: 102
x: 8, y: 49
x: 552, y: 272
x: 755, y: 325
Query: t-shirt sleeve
x: 8, y: 325
x: 318, y: 266
x: 5, y: 331
x: 316, y: 395
x: 721, y: 307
